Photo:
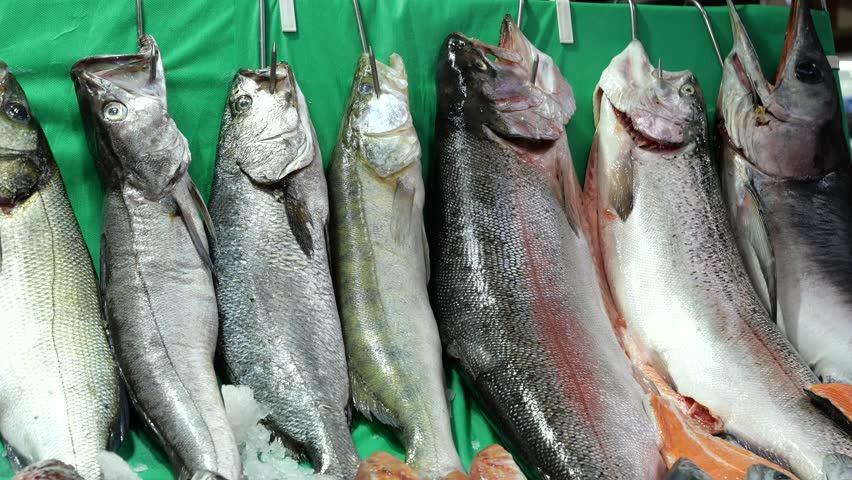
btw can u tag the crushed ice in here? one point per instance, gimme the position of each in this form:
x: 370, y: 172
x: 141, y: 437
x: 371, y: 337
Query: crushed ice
x: 115, y: 468
x: 264, y: 458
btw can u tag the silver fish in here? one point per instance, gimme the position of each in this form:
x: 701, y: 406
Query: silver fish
x: 676, y: 276
x: 59, y: 385
x: 280, y: 333
x: 156, y: 273
x: 380, y: 260
x: 787, y: 177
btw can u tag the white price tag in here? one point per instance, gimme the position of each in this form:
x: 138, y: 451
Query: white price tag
x: 563, y: 20
x: 288, y: 15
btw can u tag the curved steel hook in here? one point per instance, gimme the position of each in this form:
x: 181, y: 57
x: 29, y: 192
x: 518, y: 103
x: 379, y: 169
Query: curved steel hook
x: 710, y: 30
x: 520, y: 12
x: 262, y: 34
x: 140, y: 28
x: 633, y: 27
x: 360, y: 26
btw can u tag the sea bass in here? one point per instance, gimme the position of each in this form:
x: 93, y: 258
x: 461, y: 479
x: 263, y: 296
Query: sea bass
x: 515, y: 288
x: 156, y: 274
x: 671, y: 260
x: 280, y: 331
x: 59, y: 385
x: 380, y: 259
x: 787, y: 178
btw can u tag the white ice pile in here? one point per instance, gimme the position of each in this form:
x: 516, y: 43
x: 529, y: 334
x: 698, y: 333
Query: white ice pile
x: 263, y: 458
x: 115, y: 468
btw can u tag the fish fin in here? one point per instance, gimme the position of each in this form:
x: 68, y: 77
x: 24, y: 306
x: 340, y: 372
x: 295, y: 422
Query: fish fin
x: 716, y: 457
x: 122, y: 422
x: 384, y: 466
x: 685, y: 469
x: 752, y: 228
x: 370, y: 406
x: 835, y: 399
x: 205, y: 214
x: 185, y: 207
x: 836, y: 466
x: 572, y: 200
x: 762, y: 472
x: 495, y: 463
x: 401, y: 211
x: 300, y: 221
x: 17, y: 461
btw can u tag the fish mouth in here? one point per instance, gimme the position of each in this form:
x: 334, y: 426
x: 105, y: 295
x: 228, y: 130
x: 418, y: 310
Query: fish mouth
x: 400, y: 130
x: 523, y: 144
x: 263, y: 78
x: 643, y: 140
x: 134, y: 73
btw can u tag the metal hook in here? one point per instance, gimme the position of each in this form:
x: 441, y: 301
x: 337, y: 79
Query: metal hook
x: 660, y: 68
x: 375, y: 72
x: 633, y: 27
x: 710, y: 30
x: 273, y: 69
x: 262, y: 33
x: 360, y: 26
x: 520, y: 12
x: 534, y: 69
x: 140, y: 28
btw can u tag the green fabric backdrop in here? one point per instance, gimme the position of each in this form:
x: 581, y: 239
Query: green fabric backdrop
x: 205, y: 41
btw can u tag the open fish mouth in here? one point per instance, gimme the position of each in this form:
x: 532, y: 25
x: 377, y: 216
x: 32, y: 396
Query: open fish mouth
x: 643, y: 140
x: 135, y: 73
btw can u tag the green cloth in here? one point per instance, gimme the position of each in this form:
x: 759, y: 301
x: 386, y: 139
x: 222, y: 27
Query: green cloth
x: 204, y: 42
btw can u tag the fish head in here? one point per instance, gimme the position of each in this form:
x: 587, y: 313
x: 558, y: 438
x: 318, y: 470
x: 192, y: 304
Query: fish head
x: 128, y: 127
x: 271, y: 128
x: 23, y: 162
x: 380, y: 122
x: 661, y: 110
x: 785, y: 128
x: 492, y: 87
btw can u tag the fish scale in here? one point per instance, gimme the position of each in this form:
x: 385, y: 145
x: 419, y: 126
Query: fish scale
x: 59, y: 385
x: 281, y: 333
x: 515, y: 289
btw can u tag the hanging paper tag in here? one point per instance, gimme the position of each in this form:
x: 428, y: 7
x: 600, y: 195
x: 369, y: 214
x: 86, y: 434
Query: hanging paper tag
x: 563, y: 20
x: 288, y: 15
x: 834, y: 61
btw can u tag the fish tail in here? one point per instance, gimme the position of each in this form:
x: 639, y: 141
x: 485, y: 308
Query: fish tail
x: 836, y: 400
x: 716, y: 457
x: 384, y: 466
x: 495, y: 463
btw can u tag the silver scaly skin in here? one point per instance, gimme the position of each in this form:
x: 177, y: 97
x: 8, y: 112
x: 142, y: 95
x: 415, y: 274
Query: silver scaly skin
x: 280, y: 332
x: 787, y: 177
x: 672, y: 263
x: 156, y: 273
x: 515, y: 287
x: 59, y: 385
x: 380, y: 260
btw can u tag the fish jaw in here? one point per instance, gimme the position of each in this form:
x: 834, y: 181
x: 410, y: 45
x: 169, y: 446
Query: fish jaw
x: 272, y: 129
x: 791, y: 128
x: 129, y: 130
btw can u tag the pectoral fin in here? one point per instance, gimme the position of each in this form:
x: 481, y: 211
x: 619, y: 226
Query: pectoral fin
x: 185, y: 206
x: 300, y: 221
x: 367, y: 403
x: 17, y: 461
x: 205, y: 214
x: 759, y: 255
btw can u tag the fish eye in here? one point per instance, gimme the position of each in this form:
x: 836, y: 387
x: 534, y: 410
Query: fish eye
x: 17, y: 112
x: 115, y: 111
x: 687, y: 90
x: 365, y: 88
x: 809, y: 72
x: 481, y: 65
x: 244, y: 102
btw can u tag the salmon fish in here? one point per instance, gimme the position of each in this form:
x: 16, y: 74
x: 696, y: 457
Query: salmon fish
x: 787, y: 178
x: 515, y: 288
x: 687, y: 305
